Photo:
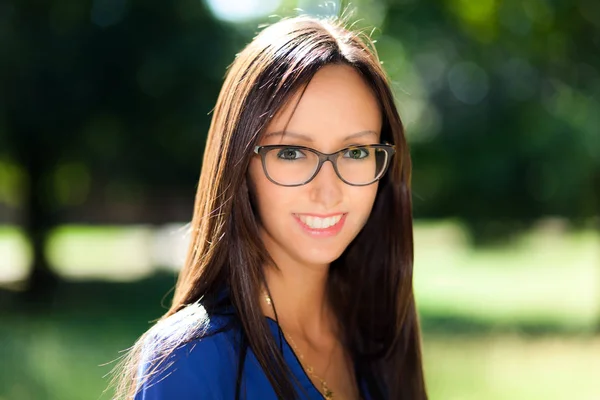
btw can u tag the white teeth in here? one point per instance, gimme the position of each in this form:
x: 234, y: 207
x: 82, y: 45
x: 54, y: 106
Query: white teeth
x: 320, y: 223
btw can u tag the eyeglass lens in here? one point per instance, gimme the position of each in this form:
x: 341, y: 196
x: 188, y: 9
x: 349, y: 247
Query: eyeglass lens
x: 361, y: 165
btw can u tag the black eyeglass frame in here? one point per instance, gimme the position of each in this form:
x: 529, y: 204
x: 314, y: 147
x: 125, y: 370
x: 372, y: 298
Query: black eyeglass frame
x: 332, y: 157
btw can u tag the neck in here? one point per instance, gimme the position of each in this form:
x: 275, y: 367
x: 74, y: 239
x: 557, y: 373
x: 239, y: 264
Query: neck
x: 298, y: 293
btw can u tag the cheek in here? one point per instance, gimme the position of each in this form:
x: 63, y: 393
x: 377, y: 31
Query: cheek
x: 268, y: 197
x: 363, y: 199
x: 272, y: 201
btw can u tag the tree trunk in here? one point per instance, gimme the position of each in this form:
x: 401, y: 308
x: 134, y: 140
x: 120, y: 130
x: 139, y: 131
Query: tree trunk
x: 39, y: 216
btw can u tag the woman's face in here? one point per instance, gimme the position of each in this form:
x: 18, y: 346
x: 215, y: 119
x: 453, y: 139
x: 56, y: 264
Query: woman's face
x: 336, y: 104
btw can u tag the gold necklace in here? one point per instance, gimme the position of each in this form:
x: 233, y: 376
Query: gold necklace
x: 327, y: 392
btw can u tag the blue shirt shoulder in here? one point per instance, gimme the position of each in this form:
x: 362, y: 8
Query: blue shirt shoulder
x: 188, y: 356
x: 192, y: 355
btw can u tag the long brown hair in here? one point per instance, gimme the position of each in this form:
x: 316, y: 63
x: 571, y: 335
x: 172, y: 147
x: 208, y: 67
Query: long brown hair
x: 370, y: 284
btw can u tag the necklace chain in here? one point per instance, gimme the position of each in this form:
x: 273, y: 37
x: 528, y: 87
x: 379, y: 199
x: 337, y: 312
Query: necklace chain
x: 327, y: 392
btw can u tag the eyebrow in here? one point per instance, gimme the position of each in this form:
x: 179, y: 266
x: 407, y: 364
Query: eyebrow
x: 309, y: 139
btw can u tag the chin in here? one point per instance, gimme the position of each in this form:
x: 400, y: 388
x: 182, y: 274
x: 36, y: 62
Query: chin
x: 320, y: 256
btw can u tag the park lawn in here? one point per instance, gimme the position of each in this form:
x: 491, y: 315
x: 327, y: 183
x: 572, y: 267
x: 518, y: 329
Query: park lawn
x: 14, y: 253
x: 542, y: 277
x: 500, y: 367
x: 545, y: 279
x: 539, y: 278
x: 59, y: 357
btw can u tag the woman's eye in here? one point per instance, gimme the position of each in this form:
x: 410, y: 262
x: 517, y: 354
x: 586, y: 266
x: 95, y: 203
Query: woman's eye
x: 290, y: 154
x: 357, y: 153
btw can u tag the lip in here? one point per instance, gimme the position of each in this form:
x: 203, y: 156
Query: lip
x: 326, y: 232
x: 321, y: 215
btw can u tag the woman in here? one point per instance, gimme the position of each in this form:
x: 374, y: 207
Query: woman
x: 298, y: 281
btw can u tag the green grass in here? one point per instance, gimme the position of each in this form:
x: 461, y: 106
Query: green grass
x: 512, y: 367
x: 59, y: 356
x: 542, y: 277
x: 53, y: 358
x: 57, y: 353
x: 506, y: 322
x: 15, y: 253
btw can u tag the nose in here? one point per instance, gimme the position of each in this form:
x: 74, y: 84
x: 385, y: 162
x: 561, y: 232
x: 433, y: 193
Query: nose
x: 326, y: 187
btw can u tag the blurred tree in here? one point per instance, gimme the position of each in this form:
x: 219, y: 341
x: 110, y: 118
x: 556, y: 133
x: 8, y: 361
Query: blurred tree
x: 107, y: 100
x: 506, y: 95
x: 103, y: 97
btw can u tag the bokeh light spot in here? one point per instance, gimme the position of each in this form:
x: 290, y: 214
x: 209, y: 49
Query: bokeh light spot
x: 105, y: 13
x: 468, y: 82
x: 241, y: 10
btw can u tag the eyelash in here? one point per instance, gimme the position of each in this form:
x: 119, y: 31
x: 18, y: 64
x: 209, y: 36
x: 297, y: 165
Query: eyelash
x: 292, y: 148
x: 286, y: 149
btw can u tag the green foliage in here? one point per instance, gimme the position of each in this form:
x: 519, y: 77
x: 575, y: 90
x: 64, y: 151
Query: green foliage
x: 500, y: 100
x: 62, y: 352
x: 499, y: 97
x: 123, y: 94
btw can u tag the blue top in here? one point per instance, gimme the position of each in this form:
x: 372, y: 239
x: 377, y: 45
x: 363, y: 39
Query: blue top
x: 206, y: 368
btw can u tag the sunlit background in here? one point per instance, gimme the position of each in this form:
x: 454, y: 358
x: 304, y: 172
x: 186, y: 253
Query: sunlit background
x: 104, y: 109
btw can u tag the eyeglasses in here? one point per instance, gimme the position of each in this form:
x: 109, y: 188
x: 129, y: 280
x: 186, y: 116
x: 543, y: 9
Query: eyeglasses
x: 287, y: 165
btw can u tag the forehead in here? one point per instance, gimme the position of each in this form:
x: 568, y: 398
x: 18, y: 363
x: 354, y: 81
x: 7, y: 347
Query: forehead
x: 337, y: 104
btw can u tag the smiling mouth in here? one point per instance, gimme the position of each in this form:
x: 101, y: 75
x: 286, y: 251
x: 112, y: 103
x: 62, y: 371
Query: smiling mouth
x: 318, y: 223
